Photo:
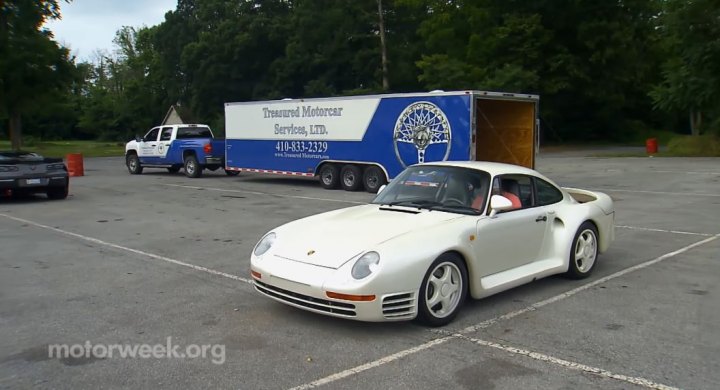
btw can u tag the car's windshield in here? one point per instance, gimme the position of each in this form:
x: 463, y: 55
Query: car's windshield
x: 193, y: 132
x: 444, y: 188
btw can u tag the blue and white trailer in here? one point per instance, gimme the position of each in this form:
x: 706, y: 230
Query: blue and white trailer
x: 364, y: 141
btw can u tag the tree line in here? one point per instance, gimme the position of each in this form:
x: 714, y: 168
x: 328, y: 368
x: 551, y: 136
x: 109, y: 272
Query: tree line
x: 605, y: 70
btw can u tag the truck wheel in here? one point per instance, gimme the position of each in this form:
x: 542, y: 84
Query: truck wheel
x: 192, y: 167
x: 133, y: 164
x: 174, y: 169
x: 373, y: 179
x: 351, y: 177
x: 329, y: 176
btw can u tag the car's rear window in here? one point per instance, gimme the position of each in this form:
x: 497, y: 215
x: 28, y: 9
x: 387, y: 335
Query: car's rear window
x: 193, y: 132
x: 20, y: 156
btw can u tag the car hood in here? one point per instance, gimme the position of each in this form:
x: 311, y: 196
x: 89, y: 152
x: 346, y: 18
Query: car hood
x: 331, y: 239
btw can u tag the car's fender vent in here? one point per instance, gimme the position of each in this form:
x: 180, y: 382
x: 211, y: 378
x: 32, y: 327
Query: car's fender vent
x: 312, y: 303
x: 399, y: 305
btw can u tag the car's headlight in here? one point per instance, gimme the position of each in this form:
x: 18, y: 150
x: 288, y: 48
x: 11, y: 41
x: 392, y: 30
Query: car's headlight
x: 365, y: 265
x: 8, y: 168
x: 265, y: 244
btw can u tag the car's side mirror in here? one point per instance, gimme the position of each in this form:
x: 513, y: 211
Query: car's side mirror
x: 499, y: 203
x: 138, y: 138
x: 382, y: 187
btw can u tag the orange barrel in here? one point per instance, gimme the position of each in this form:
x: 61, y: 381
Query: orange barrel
x: 75, y: 164
x: 651, y: 145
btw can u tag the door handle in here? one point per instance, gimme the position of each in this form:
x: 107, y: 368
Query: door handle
x: 542, y: 218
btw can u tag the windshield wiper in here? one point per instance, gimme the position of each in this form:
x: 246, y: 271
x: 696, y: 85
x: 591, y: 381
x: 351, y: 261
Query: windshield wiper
x: 456, y: 208
x: 419, y: 203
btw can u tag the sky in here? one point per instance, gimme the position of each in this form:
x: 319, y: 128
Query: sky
x: 89, y: 25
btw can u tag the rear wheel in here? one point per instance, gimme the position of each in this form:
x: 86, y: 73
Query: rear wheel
x: 584, y: 251
x: 350, y: 177
x: 373, y: 179
x: 329, y: 176
x: 192, y: 167
x: 443, y: 290
x: 133, y: 164
x: 58, y: 192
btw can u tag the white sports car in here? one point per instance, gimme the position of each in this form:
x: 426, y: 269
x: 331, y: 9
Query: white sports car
x: 435, y: 234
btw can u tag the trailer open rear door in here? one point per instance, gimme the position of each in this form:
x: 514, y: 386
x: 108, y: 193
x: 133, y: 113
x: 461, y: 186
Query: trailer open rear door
x: 505, y: 130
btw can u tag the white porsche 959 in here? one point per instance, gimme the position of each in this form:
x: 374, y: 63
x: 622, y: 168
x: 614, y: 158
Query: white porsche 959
x: 435, y: 234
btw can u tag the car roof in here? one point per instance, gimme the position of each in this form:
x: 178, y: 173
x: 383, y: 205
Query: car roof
x: 491, y: 167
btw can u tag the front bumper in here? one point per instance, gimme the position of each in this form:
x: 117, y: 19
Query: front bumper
x: 30, y: 183
x: 301, y: 285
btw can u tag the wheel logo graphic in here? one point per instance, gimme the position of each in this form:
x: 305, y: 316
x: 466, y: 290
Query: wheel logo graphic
x: 421, y: 124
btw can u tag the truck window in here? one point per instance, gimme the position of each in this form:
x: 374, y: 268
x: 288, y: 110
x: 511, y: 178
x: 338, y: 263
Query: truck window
x: 193, y: 132
x: 152, y: 135
x: 166, y: 134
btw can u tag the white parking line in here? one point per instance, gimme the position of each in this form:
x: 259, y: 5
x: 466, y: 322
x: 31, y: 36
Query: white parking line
x: 263, y: 194
x: 571, y: 365
x: 664, y: 231
x: 658, y: 192
x: 689, y: 172
x: 489, y: 322
x: 131, y: 250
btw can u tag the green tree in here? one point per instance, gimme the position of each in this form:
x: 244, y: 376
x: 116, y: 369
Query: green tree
x: 32, y: 65
x: 691, y: 73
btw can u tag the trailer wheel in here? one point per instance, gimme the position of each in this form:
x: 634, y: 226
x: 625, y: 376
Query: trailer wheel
x: 351, y: 177
x: 329, y: 176
x: 373, y: 179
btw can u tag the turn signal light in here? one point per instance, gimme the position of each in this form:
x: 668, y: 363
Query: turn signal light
x: 350, y: 297
x: 207, y: 148
x: 255, y: 274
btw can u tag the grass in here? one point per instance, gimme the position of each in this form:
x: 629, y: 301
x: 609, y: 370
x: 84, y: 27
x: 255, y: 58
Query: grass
x: 63, y: 148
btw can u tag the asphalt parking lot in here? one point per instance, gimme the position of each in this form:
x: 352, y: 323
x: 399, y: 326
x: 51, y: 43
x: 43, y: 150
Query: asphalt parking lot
x: 138, y: 259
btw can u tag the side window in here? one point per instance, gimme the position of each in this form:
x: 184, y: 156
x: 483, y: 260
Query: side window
x: 166, y: 134
x: 547, y: 193
x: 152, y: 135
x: 517, y: 188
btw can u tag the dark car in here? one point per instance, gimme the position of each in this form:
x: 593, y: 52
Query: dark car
x: 28, y: 173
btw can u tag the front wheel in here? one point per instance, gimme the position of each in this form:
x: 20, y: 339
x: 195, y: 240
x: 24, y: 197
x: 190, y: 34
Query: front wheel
x: 133, y: 164
x: 443, y: 290
x: 192, y: 167
x: 584, y: 252
x: 329, y: 176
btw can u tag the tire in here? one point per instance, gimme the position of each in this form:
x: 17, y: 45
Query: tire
x: 133, y: 164
x: 329, y: 176
x: 584, y: 252
x: 192, y: 167
x: 231, y: 173
x: 57, y: 193
x: 373, y: 179
x: 432, y: 310
x: 174, y: 169
x: 350, y: 177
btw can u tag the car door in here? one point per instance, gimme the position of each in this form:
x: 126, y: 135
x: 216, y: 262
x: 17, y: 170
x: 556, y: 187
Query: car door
x: 515, y: 237
x: 547, y: 199
x: 163, y: 144
x: 148, y: 146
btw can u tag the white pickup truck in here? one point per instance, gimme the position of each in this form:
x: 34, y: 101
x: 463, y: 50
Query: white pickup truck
x: 189, y: 146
